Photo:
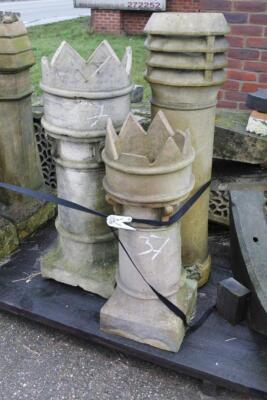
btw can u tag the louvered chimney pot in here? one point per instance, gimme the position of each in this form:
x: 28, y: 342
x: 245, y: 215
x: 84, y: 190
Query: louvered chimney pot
x: 185, y: 69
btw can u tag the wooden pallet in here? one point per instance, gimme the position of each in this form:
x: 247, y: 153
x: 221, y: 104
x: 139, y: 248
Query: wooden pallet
x: 226, y: 355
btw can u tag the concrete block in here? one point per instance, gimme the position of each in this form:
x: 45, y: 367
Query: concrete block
x: 232, y: 300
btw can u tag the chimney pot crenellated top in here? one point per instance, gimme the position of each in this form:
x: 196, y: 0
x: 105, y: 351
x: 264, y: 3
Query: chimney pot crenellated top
x: 152, y: 168
x: 70, y: 75
x: 160, y: 147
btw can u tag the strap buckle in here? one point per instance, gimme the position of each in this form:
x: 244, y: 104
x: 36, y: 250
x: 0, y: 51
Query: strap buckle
x: 119, y: 222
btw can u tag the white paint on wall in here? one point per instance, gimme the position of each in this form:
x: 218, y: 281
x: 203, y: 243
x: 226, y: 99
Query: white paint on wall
x: 137, y: 5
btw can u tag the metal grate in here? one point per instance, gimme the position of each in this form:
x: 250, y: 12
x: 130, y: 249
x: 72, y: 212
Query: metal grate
x: 219, y: 206
x: 45, y: 148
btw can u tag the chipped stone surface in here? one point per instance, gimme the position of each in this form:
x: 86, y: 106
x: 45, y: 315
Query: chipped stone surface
x: 257, y: 123
x: 8, y: 17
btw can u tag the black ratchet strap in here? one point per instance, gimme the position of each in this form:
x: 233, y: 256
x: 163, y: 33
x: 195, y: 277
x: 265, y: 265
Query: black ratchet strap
x: 172, y: 307
x: 42, y: 196
x: 174, y: 218
x: 181, y: 211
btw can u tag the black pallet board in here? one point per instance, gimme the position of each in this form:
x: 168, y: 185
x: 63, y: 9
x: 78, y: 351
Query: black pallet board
x: 229, y: 356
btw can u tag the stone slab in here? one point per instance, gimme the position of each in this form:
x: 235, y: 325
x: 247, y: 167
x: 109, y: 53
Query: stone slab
x: 28, y: 215
x: 8, y: 237
x: 232, y: 142
x: 20, y: 220
x: 232, y: 300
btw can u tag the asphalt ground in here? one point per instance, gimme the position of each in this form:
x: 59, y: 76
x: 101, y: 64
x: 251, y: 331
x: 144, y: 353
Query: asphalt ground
x: 39, y: 363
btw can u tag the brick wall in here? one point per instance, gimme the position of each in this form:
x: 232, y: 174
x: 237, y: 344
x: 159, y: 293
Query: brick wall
x: 106, y: 21
x: 183, y: 5
x: 132, y: 22
x: 247, y: 56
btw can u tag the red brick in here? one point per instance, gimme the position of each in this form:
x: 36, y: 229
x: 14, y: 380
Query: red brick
x: 249, y: 30
x: 264, y: 56
x: 216, y: 5
x: 244, y: 54
x: 243, y: 106
x: 255, y: 66
x: 220, y: 95
x: 231, y: 85
x: 260, y: 43
x: 251, y: 6
x: 235, y: 41
x: 106, y: 21
x: 258, y: 19
x: 134, y: 22
x: 236, y: 18
x: 241, y: 75
x: 227, y: 104
x: 237, y: 64
x: 252, y: 87
x: 178, y: 5
x: 263, y: 78
x: 235, y: 96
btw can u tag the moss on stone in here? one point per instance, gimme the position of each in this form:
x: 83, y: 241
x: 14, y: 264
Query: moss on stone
x: 232, y: 120
x: 8, y: 238
x: 233, y: 142
x: 26, y: 217
x: 35, y: 220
